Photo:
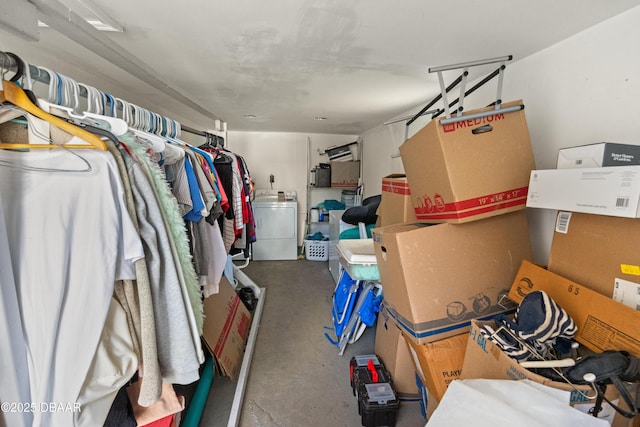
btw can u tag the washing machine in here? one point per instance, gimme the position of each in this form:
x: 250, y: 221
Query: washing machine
x: 276, y: 227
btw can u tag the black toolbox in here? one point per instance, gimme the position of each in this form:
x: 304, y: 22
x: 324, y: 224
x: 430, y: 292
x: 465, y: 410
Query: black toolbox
x: 371, y: 383
x: 367, y: 369
x: 378, y: 405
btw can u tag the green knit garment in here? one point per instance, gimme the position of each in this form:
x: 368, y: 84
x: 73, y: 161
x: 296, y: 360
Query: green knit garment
x: 177, y: 227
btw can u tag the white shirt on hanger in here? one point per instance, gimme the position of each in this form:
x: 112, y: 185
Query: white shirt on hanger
x: 70, y: 237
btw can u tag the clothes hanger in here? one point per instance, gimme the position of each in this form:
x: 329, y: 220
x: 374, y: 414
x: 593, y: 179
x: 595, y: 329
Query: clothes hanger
x: 137, y: 126
x: 209, y: 142
x: 118, y: 126
x: 15, y: 95
x: 26, y: 100
x: 9, y: 112
x: 69, y: 102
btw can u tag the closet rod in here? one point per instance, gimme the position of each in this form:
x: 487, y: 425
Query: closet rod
x: 193, y: 131
x: 9, y: 63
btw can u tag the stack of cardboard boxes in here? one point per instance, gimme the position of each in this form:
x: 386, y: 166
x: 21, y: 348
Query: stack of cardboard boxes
x: 450, y: 268
x: 452, y: 235
x: 594, y: 263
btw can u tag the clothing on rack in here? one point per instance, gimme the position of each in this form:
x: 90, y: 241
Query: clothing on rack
x: 64, y: 218
x: 105, y: 257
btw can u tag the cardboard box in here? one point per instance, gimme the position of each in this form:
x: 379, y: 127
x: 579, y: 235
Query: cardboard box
x: 226, y: 327
x: 437, y: 278
x: 603, y: 324
x: 483, y: 359
x: 597, y: 155
x: 599, y: 252
x: 428, y: 403
x: 345, y: 174
x: 391, y: 348
x: 395, y: 206
x: 457, y: 174
x: 602, y: 191
x: 439, y: 362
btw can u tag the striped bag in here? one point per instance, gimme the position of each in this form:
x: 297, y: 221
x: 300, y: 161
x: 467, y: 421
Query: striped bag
x: 540, y: 326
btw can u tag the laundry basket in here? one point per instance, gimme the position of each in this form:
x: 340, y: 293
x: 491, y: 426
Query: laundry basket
x: 316, y: 250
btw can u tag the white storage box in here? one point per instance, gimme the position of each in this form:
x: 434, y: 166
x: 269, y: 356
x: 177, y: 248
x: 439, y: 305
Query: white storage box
x: 358, y: 257
x: 605, y: 191
x: 598, y: 155
x: 316, y: 250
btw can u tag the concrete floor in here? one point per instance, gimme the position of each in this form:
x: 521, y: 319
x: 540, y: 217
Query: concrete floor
x: 297, y: 377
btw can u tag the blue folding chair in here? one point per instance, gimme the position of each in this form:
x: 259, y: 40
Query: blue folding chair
x: 344, y: 299
x: 355, y: 306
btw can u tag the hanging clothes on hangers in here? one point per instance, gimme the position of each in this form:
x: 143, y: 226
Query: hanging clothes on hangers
x: 111, y: 368
x: 66, y: 212
x: 134, y: 296
x: 175, y: 287
x: 157, y: 223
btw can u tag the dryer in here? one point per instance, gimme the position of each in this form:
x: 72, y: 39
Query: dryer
x: 276, y: 227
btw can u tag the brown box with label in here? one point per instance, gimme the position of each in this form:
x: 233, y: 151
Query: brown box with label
x: 472, y: 169
x: 603, y: 324
x: 345, y: 174
x: 439, y: 362
x: 436, y: 278
x: 599, y: 252
x: 226, y: 327
x: 395, y: 206
x: 391, y: 348
x: 483, y: 359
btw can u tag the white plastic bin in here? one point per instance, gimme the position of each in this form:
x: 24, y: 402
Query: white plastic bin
x: 316, y: 250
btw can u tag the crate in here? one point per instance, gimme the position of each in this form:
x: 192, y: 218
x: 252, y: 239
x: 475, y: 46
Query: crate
x: 316, y: 250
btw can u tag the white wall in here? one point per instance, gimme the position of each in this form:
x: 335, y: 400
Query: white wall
x: 582, y: 90
x: 285, y: 156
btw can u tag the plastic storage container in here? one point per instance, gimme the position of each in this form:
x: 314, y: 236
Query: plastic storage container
x: 378, y: 405
x: 358, y: 257
x: 348, y: 198
x: 316, y: 250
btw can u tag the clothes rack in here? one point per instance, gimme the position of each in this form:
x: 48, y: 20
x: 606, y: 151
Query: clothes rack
x: 12, y: 63
x: 14, y: 69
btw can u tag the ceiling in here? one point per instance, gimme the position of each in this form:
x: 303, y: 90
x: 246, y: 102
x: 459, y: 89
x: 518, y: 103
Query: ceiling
x: 356, y: 63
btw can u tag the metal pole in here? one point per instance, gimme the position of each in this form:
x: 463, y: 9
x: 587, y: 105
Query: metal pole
x: 405, y: 118
x: 470, y: 64
x: 434, y: 100
x: 9, y: 64
x: 193, y: 131
x: 470, y: 91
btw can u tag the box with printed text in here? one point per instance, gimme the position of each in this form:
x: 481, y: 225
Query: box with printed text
x: 602, y: 154
x: 436, y: 278
x: 599, y: 252
x: 601, y: 191
x: 395, y: 206
x: 603, y: 324
x: 471, y: 169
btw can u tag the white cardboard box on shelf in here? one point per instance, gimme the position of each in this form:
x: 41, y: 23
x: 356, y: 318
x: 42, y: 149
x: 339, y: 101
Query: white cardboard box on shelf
x: 600, y: 154
x: 611, y: 191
